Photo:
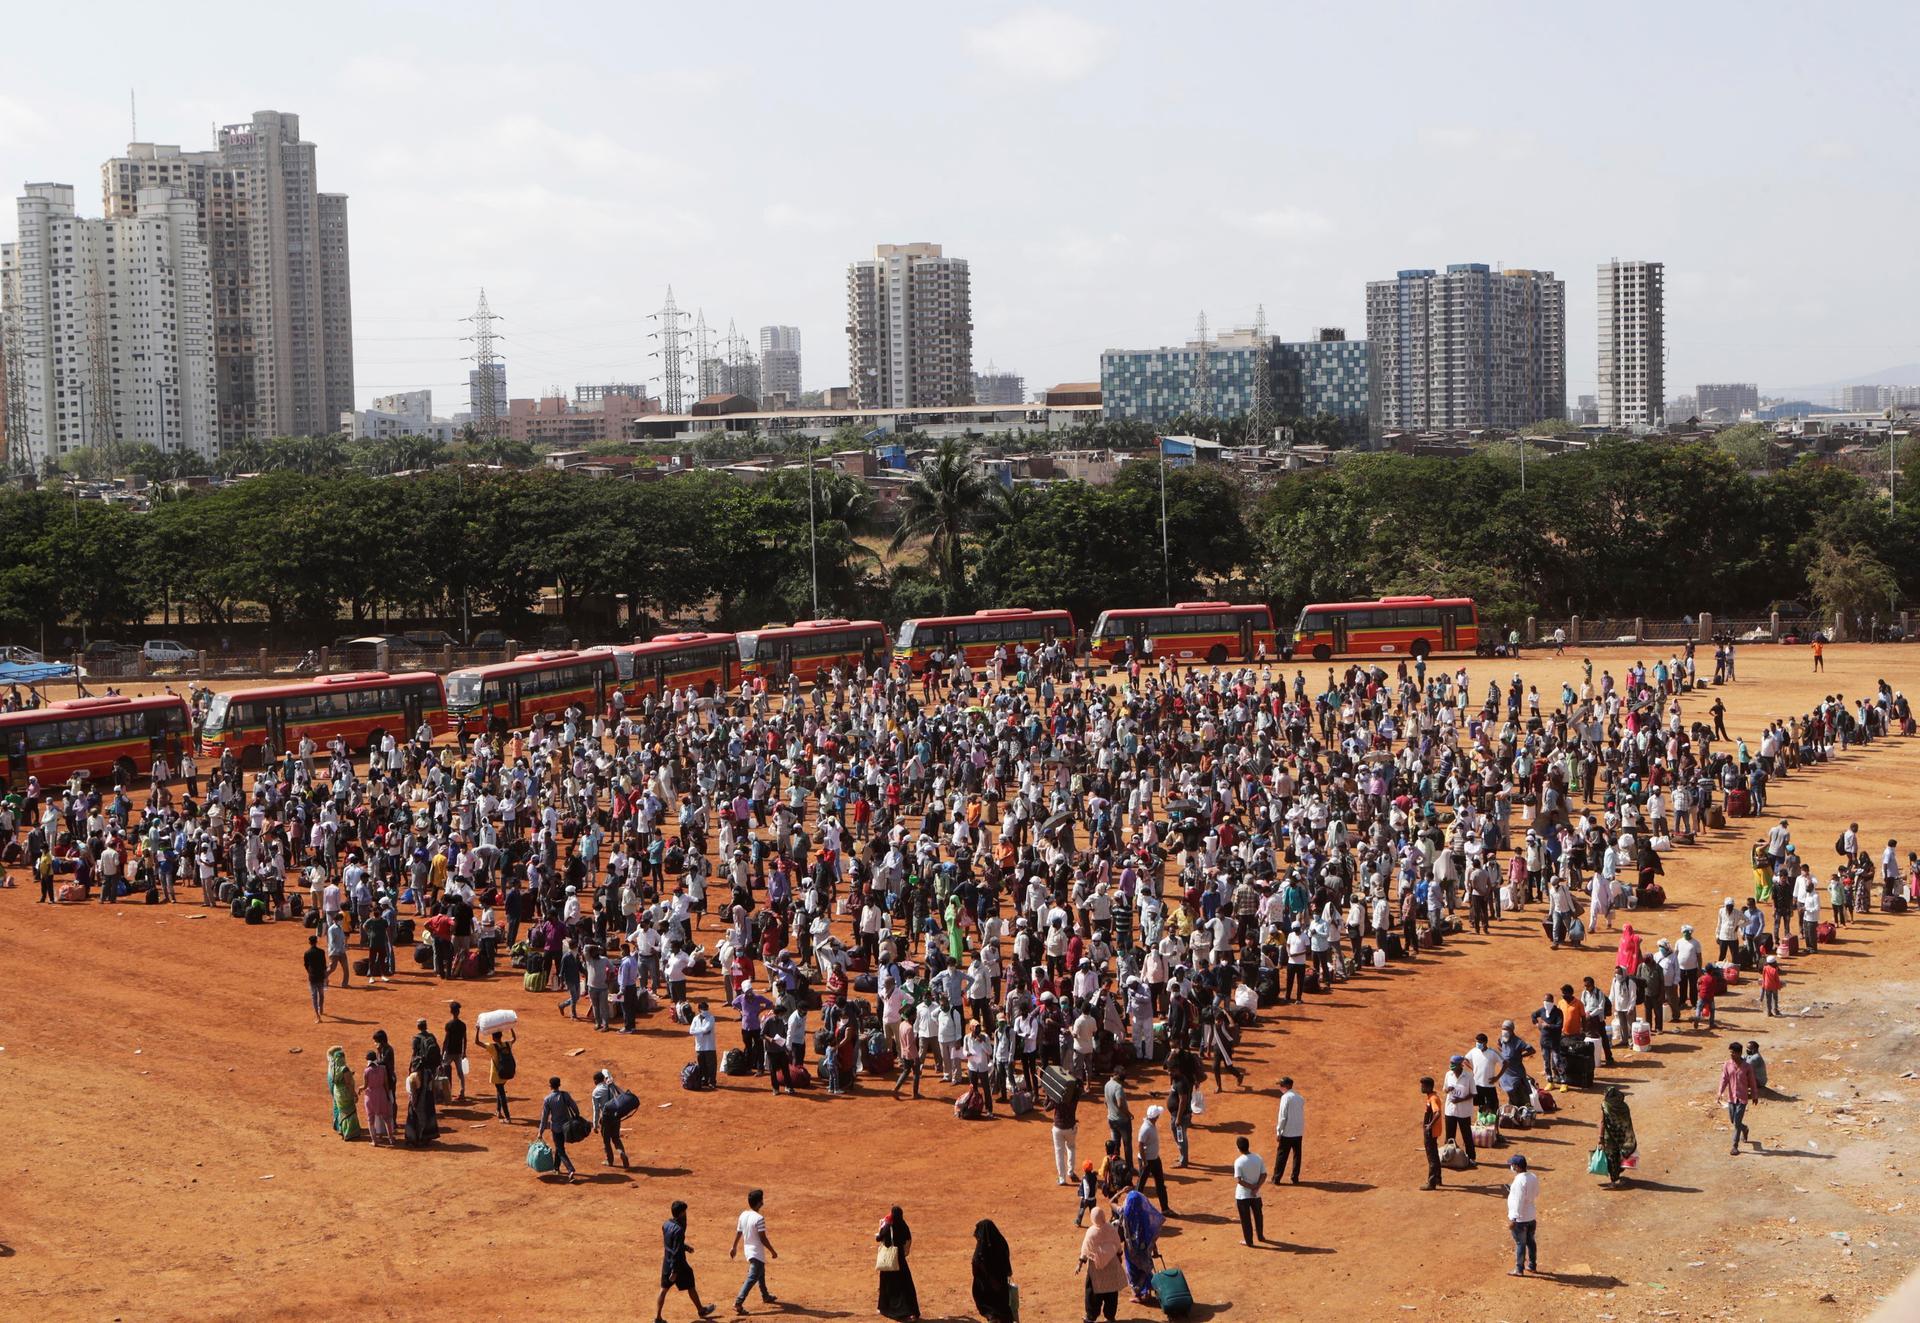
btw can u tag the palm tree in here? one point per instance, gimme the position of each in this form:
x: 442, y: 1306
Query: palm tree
x: 941, y: 503
x: 1009, y: 505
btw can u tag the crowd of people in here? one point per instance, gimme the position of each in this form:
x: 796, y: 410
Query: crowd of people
x: 1051, y: 889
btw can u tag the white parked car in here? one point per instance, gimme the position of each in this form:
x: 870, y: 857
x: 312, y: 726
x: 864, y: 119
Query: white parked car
x: 166, y: 652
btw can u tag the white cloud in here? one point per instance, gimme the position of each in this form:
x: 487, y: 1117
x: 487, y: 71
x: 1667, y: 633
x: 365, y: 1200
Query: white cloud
x: 1281, y: 222
x: 1049, y: 45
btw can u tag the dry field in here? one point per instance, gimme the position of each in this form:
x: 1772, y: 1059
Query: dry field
x: 172, y: 1156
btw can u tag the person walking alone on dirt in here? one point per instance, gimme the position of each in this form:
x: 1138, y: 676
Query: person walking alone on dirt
x: 751, y: 1231
x: 676, y: 1274
x: 1523, y: 1217
x: 1737, y: 1089
x: 315, y: 961
x: 1249, y: 1178
x: 1289, y: 1130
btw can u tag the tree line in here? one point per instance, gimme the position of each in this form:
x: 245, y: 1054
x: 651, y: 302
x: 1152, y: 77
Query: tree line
x: 1619, y: 529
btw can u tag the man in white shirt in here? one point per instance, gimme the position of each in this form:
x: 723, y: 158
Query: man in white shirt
x: 1458, y: 1093
x: 1249, y: 1177
x: 751, y: 1230
x: 705, y: 1053
x: 1484, y: 1063
x: 1289, y: 1129
x: 1523, y: 1201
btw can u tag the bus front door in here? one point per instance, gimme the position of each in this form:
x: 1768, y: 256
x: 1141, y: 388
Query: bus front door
x: 1449, y: 631
x: 411, y: 711
x: 599, y: 690
x: 15, y: 751
x: 1246, y: 638
x: 276, y: 722
x: 1339, y: 625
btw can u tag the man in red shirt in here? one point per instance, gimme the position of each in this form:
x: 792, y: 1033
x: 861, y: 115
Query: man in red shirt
x: 1736, y: 1091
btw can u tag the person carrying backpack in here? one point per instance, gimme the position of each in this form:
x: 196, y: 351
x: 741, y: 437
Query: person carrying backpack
x: 500, y: 1069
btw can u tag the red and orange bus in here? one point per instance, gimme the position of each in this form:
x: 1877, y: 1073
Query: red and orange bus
x: 1212, y: 632
x: 357, y: 706
x: 102, y: 737
x: 1392, y: 626
x: 708, y: 663
x: 978, y: 635
x: 810, y: 648
x: 509, y: 695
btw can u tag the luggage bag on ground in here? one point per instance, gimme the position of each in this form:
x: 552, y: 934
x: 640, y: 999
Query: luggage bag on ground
x: 1170, y: 1287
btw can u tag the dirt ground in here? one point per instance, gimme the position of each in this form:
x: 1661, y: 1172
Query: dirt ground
x: 172, y: 1156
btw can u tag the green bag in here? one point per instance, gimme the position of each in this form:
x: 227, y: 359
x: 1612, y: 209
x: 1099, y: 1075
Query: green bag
x: 1597, y: 1164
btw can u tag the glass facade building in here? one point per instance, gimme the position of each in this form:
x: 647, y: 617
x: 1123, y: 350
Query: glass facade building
x: 1305, y: 379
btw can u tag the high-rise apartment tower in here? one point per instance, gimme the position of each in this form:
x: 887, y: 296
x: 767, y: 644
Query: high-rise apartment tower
x: 1632, y: 345
x: 909, y: 328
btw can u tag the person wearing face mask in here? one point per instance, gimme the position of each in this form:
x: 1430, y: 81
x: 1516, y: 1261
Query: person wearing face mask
x: 1548, y: 1020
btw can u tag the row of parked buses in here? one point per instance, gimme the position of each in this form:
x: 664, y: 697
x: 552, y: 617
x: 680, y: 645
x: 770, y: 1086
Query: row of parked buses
x: 119, y: 736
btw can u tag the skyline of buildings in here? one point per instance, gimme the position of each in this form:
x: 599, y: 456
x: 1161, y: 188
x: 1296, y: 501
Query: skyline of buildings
x: 1464, y: 348
x: 1472, y: 346
x: 909, y: 328
x: 110, y: 327
x: 1632, y: 345
x: 244, y: 222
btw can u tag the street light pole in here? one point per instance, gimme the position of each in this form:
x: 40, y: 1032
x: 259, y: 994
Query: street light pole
x: 813, y: 545
x: 1166, y: 554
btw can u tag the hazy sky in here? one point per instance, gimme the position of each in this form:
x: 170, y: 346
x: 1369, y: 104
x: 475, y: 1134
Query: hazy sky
x: 1109, y: 170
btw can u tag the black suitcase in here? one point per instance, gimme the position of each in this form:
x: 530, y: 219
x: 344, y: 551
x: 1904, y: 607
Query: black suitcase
x: 1390, y: 943
x: 403, y: 932
x: 1579, y: 1057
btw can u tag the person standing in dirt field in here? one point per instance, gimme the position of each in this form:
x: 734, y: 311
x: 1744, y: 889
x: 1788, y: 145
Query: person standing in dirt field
x: 315, y: 961
x: 1289, y: 1130
x: 1432, y: 1110
x: 1523, y: 1217
x: 453, y: 1049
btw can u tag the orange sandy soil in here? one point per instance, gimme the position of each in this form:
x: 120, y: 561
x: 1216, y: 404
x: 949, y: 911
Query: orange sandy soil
x: 172, y: 1155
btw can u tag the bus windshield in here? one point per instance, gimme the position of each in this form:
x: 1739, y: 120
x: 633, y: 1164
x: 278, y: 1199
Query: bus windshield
x: 1100, y: 626
x: 748, y: 645
x: 906, y: 634
x: 217, y: 713
x: 463, y: 687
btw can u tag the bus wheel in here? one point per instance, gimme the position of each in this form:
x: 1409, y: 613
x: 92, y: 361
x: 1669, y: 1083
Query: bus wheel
x: 1420, y: 649
x: 124, y: 771
x: 1321, y: 652
x: 1216, y: 655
